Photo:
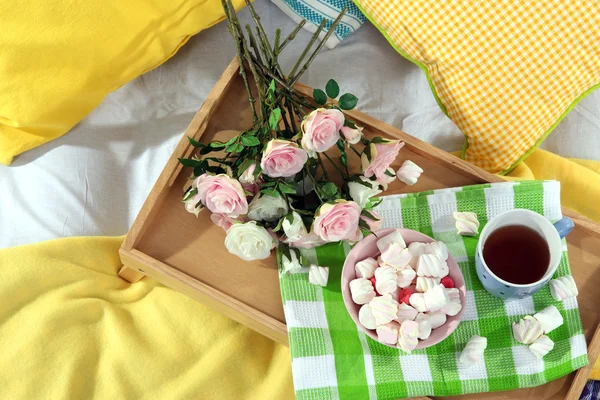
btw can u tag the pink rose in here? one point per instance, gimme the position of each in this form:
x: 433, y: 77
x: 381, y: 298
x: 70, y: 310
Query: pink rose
x: 351, y: 135
x: 222, y: 194
x: 321, y: 129
x: 381, y: 156
x: 337, y: 221
x: 282, y: 158
x: 386, y: 178
x: 374, y: 225
x: 222, y: 220
x: 248, y: 175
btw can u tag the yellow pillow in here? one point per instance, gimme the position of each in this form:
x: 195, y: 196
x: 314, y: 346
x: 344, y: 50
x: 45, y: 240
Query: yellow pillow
x: 506, y: 72
x: 59, y: 59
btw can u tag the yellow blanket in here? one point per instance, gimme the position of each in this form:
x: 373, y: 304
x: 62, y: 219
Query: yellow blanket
x: 71, y: 329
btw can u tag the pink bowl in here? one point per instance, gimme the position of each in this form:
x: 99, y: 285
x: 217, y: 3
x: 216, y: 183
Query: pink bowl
x: 368, y: 248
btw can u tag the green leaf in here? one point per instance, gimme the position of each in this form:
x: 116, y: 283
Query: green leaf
x: 272, y: 86
x: 217, y: 145
x: 231, y: 141
x: 319, y: 96
x: 235, y: 148
x: 369, y: 215
x: 344, y: 159
x: 348, y: 101
x: 363, y: 224
x: 274, y: 119
x: 287, y: 188
x: 257, y: 170
x: 186, y: 162
x: 388, y: 173
x: 250, y: 141
x: 206, y: 150
x: 365, y: 231
x: 195, y: 143
x: 332, y: 88
x: 198, y: 170
x: 379, y: 139
x: 330, y: 190
x: 270, y: 192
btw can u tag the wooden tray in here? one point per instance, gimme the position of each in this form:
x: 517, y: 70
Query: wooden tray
x: 187, y: 254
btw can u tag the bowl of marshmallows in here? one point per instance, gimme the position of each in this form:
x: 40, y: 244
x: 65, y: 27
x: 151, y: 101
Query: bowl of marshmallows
x: 403, y: 289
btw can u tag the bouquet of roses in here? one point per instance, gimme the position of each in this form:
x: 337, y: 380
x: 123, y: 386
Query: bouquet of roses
x: 274, y: 184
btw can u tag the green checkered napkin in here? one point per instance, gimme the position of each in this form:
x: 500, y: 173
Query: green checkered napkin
x: 332, y: 359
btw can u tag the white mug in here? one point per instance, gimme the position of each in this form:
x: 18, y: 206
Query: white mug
x: 552, y: 234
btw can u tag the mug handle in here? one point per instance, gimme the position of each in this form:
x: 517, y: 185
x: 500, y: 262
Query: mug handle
x: 564, y: 226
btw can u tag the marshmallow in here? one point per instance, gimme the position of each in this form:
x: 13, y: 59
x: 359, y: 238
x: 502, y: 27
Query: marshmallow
x: 384, y: 309
x: 417, y: 300
x: 527, y: 330
x: 542, y: 346
x: 424, y: 326
x: 395, y: 255
x: 430, y: 265
x: 408, y: 337
x: 437, y: 319
x: 405, y: 277
x: 406, y: 313
x: 467, y: 223
x: 318, y: 275
x: 388, y: 333
x: 366, y: 318
x: 385, y: 279
x: 473, y: 350
x: 454, y: 305
x: 437, y: 248
x: 436, y: 298
x: 394, y: 237
x: 416, y: 249
x: 425, y: 283
x: 563, y: 288
x: 362, y: 291
x: 409, y: 172
x: 366, y: 268
x: 550, y: 318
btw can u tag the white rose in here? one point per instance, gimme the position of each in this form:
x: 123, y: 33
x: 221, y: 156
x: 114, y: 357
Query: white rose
x: 267, y: 208
x: 296, y: 229
x: 361, y: 193
x: 249, y: 241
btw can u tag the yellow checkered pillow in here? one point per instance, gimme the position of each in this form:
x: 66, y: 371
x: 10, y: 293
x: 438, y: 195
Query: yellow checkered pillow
x: 505, y: 72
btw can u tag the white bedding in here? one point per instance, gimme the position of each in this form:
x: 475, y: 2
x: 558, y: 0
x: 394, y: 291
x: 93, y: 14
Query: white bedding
x: 94, y: 180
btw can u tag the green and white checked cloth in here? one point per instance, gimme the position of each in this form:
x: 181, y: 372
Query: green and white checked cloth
x: 332, y: 359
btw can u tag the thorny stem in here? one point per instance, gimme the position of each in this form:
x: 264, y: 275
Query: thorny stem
x: 334, y: 164
x: 291, y: 36
x: 307, y: 48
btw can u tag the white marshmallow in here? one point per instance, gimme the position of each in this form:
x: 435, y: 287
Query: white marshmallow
x: 405, y: 277
x: 385, y: 280
x: 473, y: 351
x: 437, y: 248
x: 366, y: 318
x: 394, y: 237
x: 436, y: 318
x: 417, y: 300
x: 409, y: 172
x: 436, y: 298
x: 430, y: 265
x: 318, y: 275
x: 467, y: 223
x: 362, y: 291
x: 366, y: 268
x: 542, y: 346
x: 395, y: 255
x: 406, y: 313
x: 408, y: 337
x: 550, y: 318
x: 384, y: 309
x: 388, y: 333
x: 527, y: 330
x: 425, y: 283
x: 424, y: 326
x: 416, y: 249
x: 454, y: 305
x: 563, y: 288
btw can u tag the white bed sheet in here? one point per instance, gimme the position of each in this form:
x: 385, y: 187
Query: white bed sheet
x: 94, y: 180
